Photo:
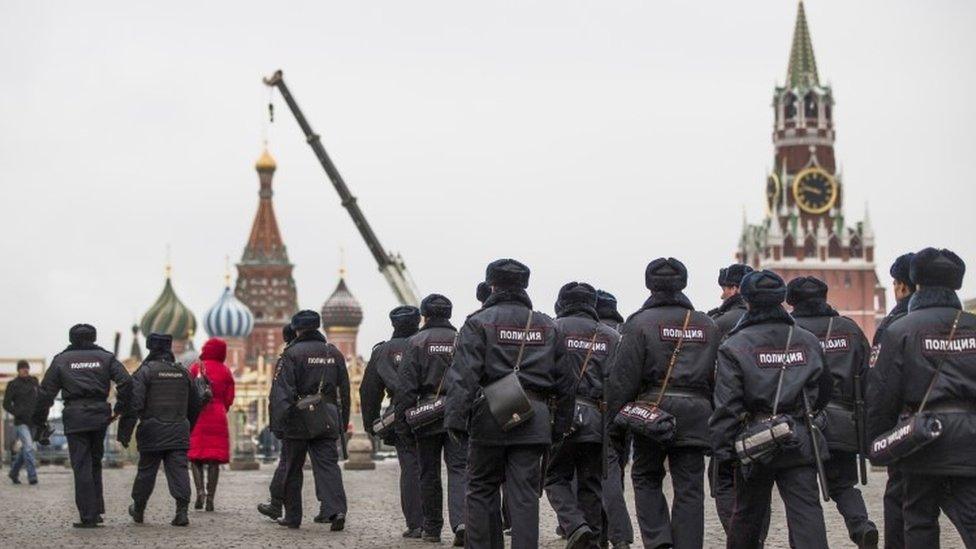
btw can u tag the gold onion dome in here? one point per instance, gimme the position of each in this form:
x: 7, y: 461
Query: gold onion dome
x: 341, y: 309
x: 169, y: 316
x: 265, y: 162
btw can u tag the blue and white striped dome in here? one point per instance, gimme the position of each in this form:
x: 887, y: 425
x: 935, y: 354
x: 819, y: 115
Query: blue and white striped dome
x: 228, y: 317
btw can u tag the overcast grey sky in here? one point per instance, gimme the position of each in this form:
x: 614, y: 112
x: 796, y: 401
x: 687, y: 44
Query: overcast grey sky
x: 584, y: 138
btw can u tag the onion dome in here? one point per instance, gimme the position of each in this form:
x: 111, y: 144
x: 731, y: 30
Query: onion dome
x: 341, y: 309
x: 228, y: 317
x: 169, y: 315
x: 265, y: 162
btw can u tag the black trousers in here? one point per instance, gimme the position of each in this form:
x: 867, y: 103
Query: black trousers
x: 841, y: 470
x: 925, y: 496
x: 176, y: 468
x: 617, y: 527
x: 430, y: 448
x: 799, y: 490
x: 581, y: 502
x: 684, y: 527
x: 519, y: 469
x: 85, y: 452
x: 723, y: 484
x: 411, y: 502
x: 325, y: 469
x: 894, y: 525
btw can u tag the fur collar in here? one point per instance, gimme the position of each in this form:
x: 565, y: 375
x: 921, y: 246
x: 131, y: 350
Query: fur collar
x: 813, y: 307
x: 83, y: 347
x: 580, y: 309
x: 504, y: 295
x: 763, y: 315
x: 668, y: 299
x: 901, y: 308
x: 403, y: 331
x: 311, y: 335
x: 435, y: 322
x: 159, y: 356
x: 731, y: 303
x: 933, y: 296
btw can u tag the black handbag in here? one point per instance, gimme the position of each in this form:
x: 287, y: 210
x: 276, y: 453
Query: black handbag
x: 202, y: 386
x: 913, y: 431
x: 648, y: 419
x: 430, y: 409
x: 384, y: 426
x: 762, y: 439
x: 507, y: 400
x: 586, y: 411
x: 314, y: 414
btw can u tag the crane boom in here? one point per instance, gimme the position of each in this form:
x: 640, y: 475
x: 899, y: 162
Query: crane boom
x: 392, y: 266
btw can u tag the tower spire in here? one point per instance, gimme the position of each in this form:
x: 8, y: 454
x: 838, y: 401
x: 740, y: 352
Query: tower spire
x: 802, y: 69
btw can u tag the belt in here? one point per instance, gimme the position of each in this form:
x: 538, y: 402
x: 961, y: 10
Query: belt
x: 651, y: 394
x: 325, y: 398
x: 952, y: 408
x: 536, y: 396
x: 590, y: 401
x: 85, y: 401
x: 840, y: 405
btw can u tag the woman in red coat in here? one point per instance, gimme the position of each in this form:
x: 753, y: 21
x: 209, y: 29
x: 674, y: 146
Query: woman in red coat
x: 210, y: 439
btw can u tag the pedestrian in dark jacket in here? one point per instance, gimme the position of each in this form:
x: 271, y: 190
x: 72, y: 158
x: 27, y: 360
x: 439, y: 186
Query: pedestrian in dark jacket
x: 648, y: 368
x: 19, y: 400
x: 574, y: 480
x: 490, y: 347
x: 930, y: 356
x: 606, y: 309
x: 83, y: 373
x: 727, y: 315
x: 381, y: 379
x: 764, y: 348
x: 846, y: 352
x: 426, y: 359
x: 166, y: 407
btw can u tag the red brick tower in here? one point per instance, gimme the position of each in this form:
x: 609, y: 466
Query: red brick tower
x: 805, y: 231
x: 264, y: 275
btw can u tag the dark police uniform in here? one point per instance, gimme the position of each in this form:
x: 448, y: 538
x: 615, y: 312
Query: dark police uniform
x: 749, y: 365
x: 488, y: 345
x: 380, y: 379
x: 648, y: 341
x: 728, y: 314
x: 166, y: 406
x: 307, y: 361
x: 846, y: 354
x: 426, y: 359
x: 941, y: 475
x: 83, y: 373
x: 574, y: 484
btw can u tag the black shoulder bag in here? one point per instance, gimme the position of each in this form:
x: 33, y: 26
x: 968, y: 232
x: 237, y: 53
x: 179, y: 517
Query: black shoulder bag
x: 763, y: 438
x: 586, y: 411
x: 202, y: 386
x: 430, y: 409
x: 913, y: 431
x: 647, y: 419
x: 314, y: 414
x: 506, y: 398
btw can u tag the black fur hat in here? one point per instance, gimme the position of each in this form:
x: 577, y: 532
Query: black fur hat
x: 82, y: 333
x: 721, y: 275
x: 606, y: 305
x: 666, y: 275
x: 507, y: 273
x: 306, y: 320
x: 901, y: 269
x: 763, y: 289
x: 577, y: 292
x: 733, y: 274
x: 23, y: 365
x: 436, y: 306
x: 940, y: 268
x: 159, y: 342
x: 405, y: 316
x: 288, y: 333
x: 805, y: 288
x: 483, y: 291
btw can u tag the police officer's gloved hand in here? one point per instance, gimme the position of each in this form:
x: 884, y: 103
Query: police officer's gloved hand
x: 278, y: 434
x: 124, y: 441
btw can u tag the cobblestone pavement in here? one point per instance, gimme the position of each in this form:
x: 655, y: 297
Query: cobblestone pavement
x: 40, y: 516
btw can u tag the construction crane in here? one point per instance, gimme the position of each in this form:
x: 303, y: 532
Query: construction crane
x: 391, y: 265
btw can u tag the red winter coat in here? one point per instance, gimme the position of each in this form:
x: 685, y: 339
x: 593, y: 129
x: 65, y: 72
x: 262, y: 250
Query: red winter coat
x: 210, y: 439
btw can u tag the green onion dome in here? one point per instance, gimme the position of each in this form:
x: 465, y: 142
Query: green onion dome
x: 169, y: 316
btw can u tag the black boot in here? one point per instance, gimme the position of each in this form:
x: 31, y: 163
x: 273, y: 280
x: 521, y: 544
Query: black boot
x: 137, y: 511
x: 213, y: 474
x: 581, y: 538
x: 271, y: 510
x: 459, y: 536
x: 338, y: 521
x: 197, y: 471
x: 181, y: 518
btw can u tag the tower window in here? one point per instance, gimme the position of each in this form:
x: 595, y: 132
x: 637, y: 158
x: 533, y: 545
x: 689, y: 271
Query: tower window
x: 810, y: 246
x: 789, y: 106
x: 833, y: 247
x: 810, y: 105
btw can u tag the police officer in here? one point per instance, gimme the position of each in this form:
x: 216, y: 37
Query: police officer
x: 272, y: 508
x: 931, y: 352
x: 307, y: 366
x: 647, y: 363
x: 488, y: 349
x: 733, y: 307
x: 618, y: 531
x: 751, y: 362
x: 381, y: 379
x: 585, y: 347
x: 166, y: 405
x: 894, y: 526
x: 427, y: 357
x: 846, y: 352
x: 83, y: 373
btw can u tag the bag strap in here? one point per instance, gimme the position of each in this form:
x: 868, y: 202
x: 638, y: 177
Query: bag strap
x: 322, y: 379
x: 440, y: 385
x: 782, y: 370
x: 525, y: 337
x: 589, y: 354
x: 938, y: 368
x: 674, y: 359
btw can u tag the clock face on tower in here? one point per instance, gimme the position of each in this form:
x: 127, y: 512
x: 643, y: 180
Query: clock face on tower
x: 814, y: 190
x: 773, y: 190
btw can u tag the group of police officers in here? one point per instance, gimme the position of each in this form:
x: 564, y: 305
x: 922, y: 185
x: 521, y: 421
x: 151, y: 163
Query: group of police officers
x: 713, y: 376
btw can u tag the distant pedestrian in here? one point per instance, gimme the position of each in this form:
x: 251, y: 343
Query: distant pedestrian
x: 210, y: 439
x: 18, y: 401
